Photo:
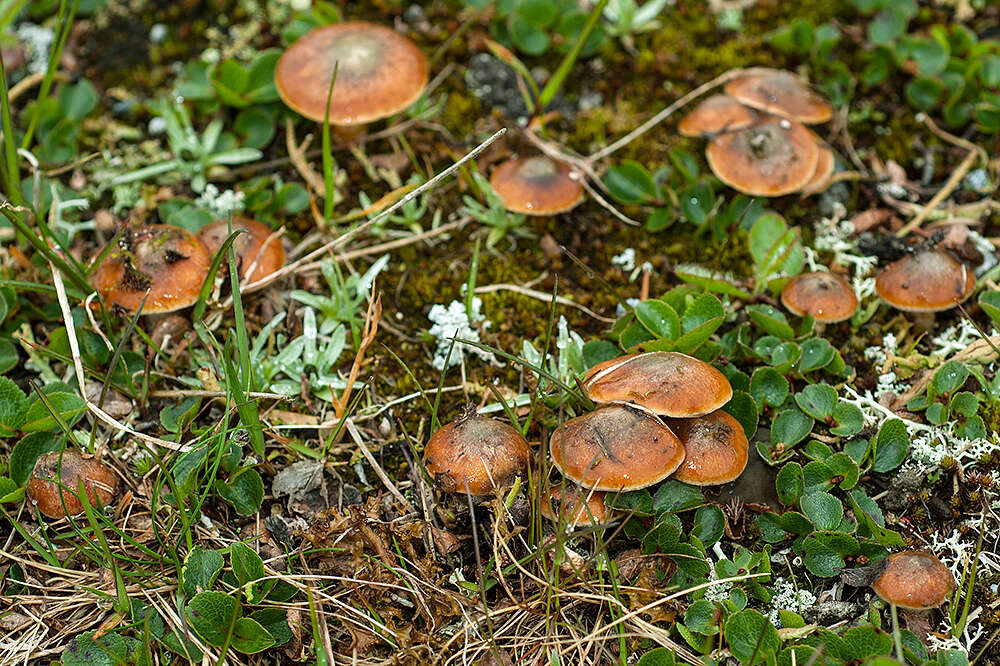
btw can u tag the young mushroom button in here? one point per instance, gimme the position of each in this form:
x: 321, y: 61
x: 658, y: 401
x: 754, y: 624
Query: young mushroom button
x: 664, y: 383
x: 258, y: 251
x: 827, y: 296
x: 615, y: 449
x: 770, y: 158
x: 536, y: 186
x: 476, y: 454
x: 574, y: 506
x: 168, y: 261
x: 716, y: 450
x: 915, y: 581
x: 379, y: 73
x: 927, y: 281
x: 55, y: 482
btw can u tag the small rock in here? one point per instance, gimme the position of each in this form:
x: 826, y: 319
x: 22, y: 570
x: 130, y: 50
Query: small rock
x: 826, y: 613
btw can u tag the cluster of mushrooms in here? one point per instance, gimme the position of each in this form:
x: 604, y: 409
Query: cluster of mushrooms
x: 171, y: 263
x: 659, y: 415
x: 758, y: 140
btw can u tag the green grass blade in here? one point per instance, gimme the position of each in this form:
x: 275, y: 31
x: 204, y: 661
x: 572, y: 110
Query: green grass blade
x: 327, y: 152
x: 557, y: 80
x: 65, y: 19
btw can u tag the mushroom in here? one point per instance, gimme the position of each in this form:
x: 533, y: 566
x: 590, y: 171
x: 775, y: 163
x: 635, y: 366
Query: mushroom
x: 915, y: 581
x: 379, y: 73
x: 259, y: 251
x: 925, y: 282
x: 770, y: 158
x: 718, y: 113
x: 615, y: 449
x: 574, y: 507
x: 664, y: 383
x: 55, y: 483
x: 476, y: 455
x: 823, y: 174
x: 536, y: 186
x: 716, y: 449
x: 168, y: 261
x: 780, y: 93
x: 828, y: 297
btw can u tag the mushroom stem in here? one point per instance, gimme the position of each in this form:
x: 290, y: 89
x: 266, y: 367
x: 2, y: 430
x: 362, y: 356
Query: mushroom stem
x: 924, y: 321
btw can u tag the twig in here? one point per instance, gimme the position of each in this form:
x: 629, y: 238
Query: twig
x: 356, y: 436
x: 349, y: 235
x: 198, y: 393
x: 542, y: 296
x: 956, y: 177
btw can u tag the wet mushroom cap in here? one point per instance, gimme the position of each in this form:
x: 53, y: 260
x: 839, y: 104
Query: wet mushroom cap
x: 781, y: 93
x: 615, y: 449
x: 716, y: 449
x: 536, y: 186
x: 914, y: 580
x: 773, y: 157
x: 68, y: 468
x: 258, y: 252
x: 665, y: 383
x: 718, y: 113
x: 169, y: 261
x: 827, y: 296
x: 379, y: 72
x: 574, y: 506
x: 926, y: 281
x: 476, y: 454
x: 826, y: 163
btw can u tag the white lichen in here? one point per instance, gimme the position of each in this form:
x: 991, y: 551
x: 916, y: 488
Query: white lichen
x: 786, y: 596
x: 453, y: 322
x: 220, y: 203
x: 37, y: 43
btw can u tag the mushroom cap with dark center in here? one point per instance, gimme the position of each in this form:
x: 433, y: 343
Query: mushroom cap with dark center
x: 476, y: 454
x: 827, y: 296
x: 773, y: 157
x: 914, y: 580
x: 926, y: 281
x: 379, y: 72
x: 716, y: 449
x: 536, y: 186
x: 574, y: 506
x: 781, y: 93
x: 68, y: 468
x: 258, y: 252
x: 615, y: 449
x: 666, y: 383
x: 826, y: 163
x: 169, y: 261
x: 718, y: 113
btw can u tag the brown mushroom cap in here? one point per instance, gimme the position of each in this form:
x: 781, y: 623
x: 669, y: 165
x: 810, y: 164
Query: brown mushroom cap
x: 666, y: 383
x: 69, y: 468
x: 781, y: 93
x: 716, y: 450
x: 775, y: 156
x: 476, y: 454
x: 259, y: 252
x: 169, y: 261
x: 718, y: 113
x: 914, y: 580
x: 823, y: 174
x: 615, y: 449
x: 827, y: 296
x: 379, y: 73
x: 536, y: 186
x: 925, y: 281
x: 575, y: 506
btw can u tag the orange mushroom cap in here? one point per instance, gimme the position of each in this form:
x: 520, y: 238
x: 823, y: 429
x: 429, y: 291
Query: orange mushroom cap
x: 718, y: 113
x: 823, y: 174
x: 666, y: 383
x: 716, y: 449
x: 169, y: 261
x: 827, y: 296
x: 772, y: 157
x: 259, y: 252
x: 575, y: 506
x: 615, y: 449
x: 926, y: 281
x: 476, y: 454
x: 379, y: 73
x: 781, y: 93
x: 55, y: 482
x: 914, y: 580
x: 536, y: 186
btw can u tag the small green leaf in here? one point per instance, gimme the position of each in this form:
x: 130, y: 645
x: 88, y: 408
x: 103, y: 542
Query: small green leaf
x: 27, y: 452
x: 771, y: 320
x: 768, y: 387
x: 790, y: 484
x: 245, y: 491
x: 68, y: 406
x: 820, y: 559
x: 247, y: 567
x: 630, y: 183
x: 598, y: 351
x: 743, y: 408
x: 949, y: 378
x: 250, y: 637
x: 211, y: 615
x: 789, y: 428
x: 201, y: 568
x: 823, y: 509
x: 13, y: 407
x: 709, y: 524
x: 658, y: 657
x: 817, y: 400
x: 658, y: 318
x: 892, y: 444
x: 750, y: 635
x: 816, y: 353
x: 849, y: 418
x: 673, y: 496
